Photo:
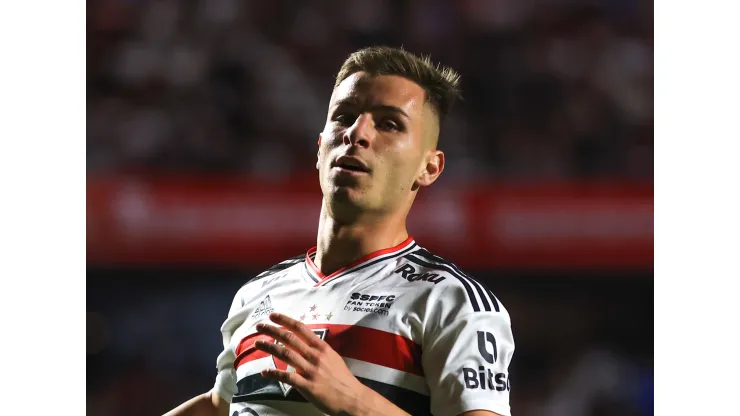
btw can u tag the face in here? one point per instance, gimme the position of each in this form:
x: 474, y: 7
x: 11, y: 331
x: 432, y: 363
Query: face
x: 378, y: 145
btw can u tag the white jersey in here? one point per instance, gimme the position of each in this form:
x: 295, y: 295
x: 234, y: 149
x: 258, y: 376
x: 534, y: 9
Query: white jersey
x: 409, y: 325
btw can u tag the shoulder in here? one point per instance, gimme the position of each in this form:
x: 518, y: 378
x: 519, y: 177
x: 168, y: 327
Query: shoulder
x: 278, y: 268
x: 451, y: 284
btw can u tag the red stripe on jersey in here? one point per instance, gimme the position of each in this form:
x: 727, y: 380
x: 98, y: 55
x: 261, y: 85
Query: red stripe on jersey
x: 246, y: 350
x: 356, y: 342
x: 323, y: 278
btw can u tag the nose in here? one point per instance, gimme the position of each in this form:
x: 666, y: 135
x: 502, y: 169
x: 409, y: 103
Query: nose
x: 362, y: 132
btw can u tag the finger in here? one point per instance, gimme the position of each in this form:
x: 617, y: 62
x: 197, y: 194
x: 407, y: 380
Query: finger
x: 285, y: 354
x: 287, y: 377
x: 288, y: 338
x: 297, y: 327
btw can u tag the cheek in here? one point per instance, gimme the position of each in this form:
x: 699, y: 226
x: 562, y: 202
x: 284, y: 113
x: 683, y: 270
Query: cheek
x: 325, y: 146
x: 399, y: 167
x: 403, y: 152
x: 330, y: 139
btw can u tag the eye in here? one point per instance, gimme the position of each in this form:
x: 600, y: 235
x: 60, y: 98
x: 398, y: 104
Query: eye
x: 344, y: 119
x: 389, y: 125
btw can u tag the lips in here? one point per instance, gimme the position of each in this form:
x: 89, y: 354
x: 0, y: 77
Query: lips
x: 350, y: 163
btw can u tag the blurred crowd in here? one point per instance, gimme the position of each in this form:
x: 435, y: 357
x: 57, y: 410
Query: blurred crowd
x: 553, y: 88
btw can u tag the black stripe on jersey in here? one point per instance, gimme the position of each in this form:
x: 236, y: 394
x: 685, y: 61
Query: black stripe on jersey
x: 256, y: 384
x: 464, y: 282
x: 493, y: 298
x: 381, y: 258
x: 278, y: 267
x: 256, y: 387
x: 409, y: 401
x: 480, y: 287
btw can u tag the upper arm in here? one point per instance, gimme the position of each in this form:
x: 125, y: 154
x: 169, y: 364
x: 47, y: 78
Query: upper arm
x: 466, y: 361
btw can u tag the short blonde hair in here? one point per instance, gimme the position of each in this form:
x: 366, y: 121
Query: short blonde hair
x: 441, y: 84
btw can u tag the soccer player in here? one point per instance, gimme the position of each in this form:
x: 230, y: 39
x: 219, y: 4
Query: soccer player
x: 368, y: 322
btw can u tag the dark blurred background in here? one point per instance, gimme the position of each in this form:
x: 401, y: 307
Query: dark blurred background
x: 201, y: 142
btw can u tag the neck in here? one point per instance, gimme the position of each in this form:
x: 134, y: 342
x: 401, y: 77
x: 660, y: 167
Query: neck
x: 338, y: 245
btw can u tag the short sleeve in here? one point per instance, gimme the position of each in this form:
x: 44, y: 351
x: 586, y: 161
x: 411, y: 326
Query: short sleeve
x: 466, y: 363
x: 225, y: 385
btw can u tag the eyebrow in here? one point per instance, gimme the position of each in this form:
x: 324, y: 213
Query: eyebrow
x: 350, y: 102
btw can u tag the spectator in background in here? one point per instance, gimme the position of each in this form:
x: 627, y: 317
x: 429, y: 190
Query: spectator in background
x: 555, y: 89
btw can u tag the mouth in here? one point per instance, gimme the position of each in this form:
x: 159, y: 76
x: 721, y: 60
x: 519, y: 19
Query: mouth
x: 350, y: 165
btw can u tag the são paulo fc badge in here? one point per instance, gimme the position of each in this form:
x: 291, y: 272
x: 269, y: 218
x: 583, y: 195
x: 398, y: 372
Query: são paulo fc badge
x: 280, y: 365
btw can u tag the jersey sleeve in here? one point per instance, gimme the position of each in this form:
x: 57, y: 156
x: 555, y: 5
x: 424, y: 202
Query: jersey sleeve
x: 225, y: 385
x: 466, y: 360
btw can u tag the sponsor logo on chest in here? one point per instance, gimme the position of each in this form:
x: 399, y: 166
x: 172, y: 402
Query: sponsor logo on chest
x: 370, y: 303
x: 409, y: 273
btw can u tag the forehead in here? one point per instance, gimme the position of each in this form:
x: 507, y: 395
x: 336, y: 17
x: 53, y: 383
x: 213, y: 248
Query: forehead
x: 388, y: 90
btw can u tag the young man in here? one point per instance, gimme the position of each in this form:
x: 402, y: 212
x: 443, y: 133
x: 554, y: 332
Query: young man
x: 368, y: 322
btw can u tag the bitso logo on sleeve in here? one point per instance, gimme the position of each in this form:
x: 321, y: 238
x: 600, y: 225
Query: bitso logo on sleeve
x: 483, y: 339
x: 484, y: 378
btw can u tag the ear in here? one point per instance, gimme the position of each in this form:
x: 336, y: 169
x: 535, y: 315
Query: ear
x: 318, y: 152
x: 435, y: 164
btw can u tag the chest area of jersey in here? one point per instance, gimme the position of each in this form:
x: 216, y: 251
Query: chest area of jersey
x: 341, y: 304
x: 331, y: 310
x: 351, y: 322
x: 366, y: 323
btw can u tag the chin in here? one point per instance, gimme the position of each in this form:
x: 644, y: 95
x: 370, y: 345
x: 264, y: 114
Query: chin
x: 347, y: 195
x: 346, y: 202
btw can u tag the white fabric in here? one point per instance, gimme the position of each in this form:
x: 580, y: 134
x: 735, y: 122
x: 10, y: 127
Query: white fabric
x: 451, y: 318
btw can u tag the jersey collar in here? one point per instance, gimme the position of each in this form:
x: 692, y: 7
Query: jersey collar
x: 361, y: 263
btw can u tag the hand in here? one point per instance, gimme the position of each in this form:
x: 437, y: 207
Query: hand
x: 321, y: 375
